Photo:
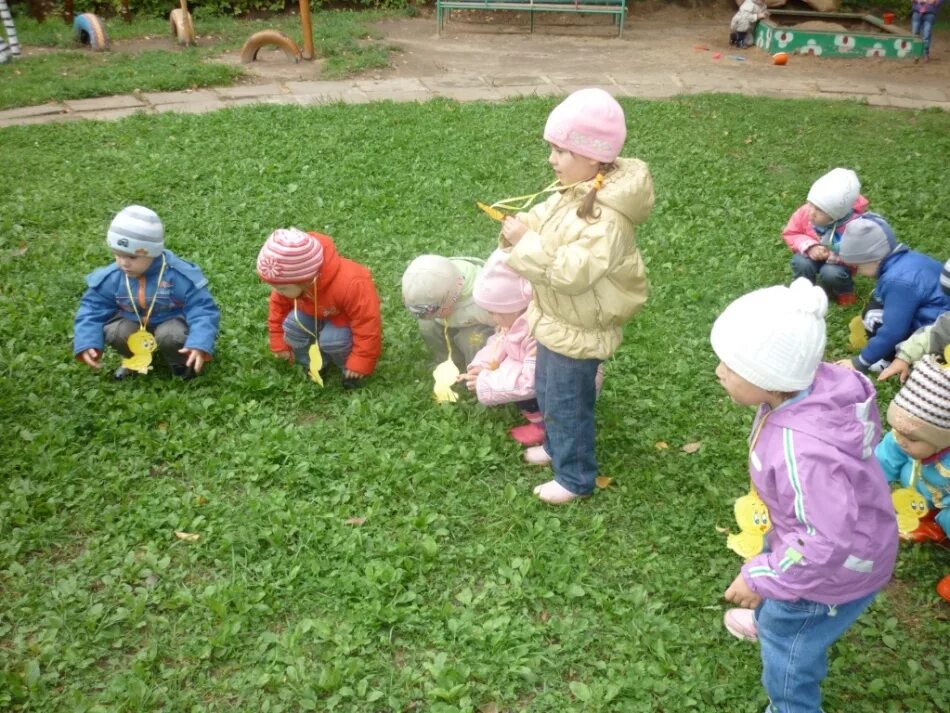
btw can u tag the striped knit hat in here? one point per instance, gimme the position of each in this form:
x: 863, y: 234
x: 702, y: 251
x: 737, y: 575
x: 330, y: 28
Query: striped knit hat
x: 921, y: 408
x: 136, y: 230
x: 290, y: 256
x: 945, y: 277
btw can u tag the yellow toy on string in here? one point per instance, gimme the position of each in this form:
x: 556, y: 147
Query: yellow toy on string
x: 752, y: 516
x: 141, y: 342
x: 445, y: 375
x: 909, y: 504
x: 857, y: 336
x: 313, y: 353
x: 518, y: 203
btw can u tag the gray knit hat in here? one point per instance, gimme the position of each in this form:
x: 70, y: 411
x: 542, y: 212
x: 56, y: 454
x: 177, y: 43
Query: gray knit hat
x: 945, y: 277
x: 921, y: 408
x: 867, y: 238
x: 136, y: 230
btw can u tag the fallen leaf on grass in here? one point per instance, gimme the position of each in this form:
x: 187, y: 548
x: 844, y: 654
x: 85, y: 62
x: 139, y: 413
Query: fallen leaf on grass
x: 662, y: 445
x: 19, y: 251
x: 692, y: 447
x: 603, y: 481
x: 201, y: 500
x: 488, y: 708
x: 355, y: 520
x: 187, y: 536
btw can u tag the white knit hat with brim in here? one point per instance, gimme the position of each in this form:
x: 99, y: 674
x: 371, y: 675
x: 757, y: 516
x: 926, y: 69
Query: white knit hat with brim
x: 867, y: 238
x: 136, y: 230
x: 835, y: 192
x: 774, y: 338
x: 921, y: 408
x: 431, y: 285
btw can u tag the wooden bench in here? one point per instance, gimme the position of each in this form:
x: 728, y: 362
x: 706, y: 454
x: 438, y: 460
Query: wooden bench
x: 617, y: 8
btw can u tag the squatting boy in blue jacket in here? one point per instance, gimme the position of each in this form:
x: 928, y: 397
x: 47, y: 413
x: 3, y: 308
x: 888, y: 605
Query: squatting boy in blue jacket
x: 149, y: 298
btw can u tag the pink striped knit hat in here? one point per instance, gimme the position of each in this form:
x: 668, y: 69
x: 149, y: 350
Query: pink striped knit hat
x: 289, y: 257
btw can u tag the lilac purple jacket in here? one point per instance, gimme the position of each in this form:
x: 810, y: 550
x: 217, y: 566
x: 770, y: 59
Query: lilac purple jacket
x: 834, y: 533
x: 507, y: 361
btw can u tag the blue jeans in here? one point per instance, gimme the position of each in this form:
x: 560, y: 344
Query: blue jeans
x: 836, y: 278
x: 794, y: 638
x: 922, y: 25
x: 336, y: 343
x: 566, y: 392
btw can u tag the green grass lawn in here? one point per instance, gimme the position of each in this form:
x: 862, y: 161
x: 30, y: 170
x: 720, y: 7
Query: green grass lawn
x: 374, y: 551
x: 57, y: 67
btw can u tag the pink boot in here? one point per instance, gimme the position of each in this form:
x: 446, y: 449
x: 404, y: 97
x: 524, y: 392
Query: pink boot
x: 741, y: 624
x: 530, y: 434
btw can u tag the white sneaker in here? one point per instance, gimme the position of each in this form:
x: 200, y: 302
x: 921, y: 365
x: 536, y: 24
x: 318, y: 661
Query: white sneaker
x: 553, y: 493
x: 741, y: 624
x: 536, y: 455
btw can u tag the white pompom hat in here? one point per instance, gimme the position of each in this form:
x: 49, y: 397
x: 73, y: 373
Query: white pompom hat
x: 774, y: 338
x: 835, y: 192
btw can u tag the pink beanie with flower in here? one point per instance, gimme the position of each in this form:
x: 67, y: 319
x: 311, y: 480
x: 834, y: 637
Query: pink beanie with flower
x: 500, y: 289
x: 589, y: 123
x: 290, y: 256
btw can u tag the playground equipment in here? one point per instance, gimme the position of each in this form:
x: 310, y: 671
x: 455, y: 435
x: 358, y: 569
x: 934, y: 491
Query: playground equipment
x: 274, y: 37
x: 182, y: 25
x: 9, y: 47
x: 90, y: 30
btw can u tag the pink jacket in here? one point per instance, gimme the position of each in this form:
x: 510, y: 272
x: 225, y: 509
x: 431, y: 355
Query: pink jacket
x: 507, y: 362
x: 800, y: 235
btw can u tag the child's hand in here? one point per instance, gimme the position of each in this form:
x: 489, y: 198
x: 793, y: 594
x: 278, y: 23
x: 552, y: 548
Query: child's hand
x: 513, y: 230
x: 286, y: 355
x: 91, y: 357
x: 469, y: 379
x: 846, y: 363
x: 898, y: 366
x: 196, y: 358
x: 818, y: 252
x: 739, y: 593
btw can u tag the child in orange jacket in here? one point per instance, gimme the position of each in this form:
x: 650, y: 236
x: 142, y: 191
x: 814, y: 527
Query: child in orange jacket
x: 320, y: 297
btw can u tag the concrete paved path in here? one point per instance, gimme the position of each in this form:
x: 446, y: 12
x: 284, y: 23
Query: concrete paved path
x: 471, y: 87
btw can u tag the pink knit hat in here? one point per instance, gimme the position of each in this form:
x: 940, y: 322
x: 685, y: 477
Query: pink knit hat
x: 500, y: 289
x: 290, y: 256
x: 589, y: 123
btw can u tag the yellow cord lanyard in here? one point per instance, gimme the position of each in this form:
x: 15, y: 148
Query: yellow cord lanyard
x: 316, y: 359
x: 519, y: 203
x: 143, y: 325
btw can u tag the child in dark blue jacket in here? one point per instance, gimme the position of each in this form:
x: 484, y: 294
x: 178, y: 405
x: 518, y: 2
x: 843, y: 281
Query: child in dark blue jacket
x: 148, y: 299
x: 907, y: 295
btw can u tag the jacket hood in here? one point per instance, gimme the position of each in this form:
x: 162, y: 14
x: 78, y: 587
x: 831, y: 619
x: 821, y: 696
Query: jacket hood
x: 838, y: 411
x: 331, y: 259
x: 628, y: 189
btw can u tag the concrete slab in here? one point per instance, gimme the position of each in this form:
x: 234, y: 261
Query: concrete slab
x: 464, y: 94
x: 41, y: 119
x: 346, y: 95
x: 516, y: 81
x: 251, y: 91
x: 194, y: 107
x: 114, y: 114
x: 376, y: 86
x: 649, y: 91
x: 268, y: 99
x: 905, y: 103
x: 850, y: 88
x: 119, y: 101
x: 453, y: 82
x: 197, y: 96
x: 917, y: 91
x: 28, y: 111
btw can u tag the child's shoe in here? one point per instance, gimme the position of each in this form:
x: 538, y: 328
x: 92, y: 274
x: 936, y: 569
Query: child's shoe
x: 846, y: 299
x: 943, y: 588
x: 350, y: 383
x: 530, y: 434
x: 741, y: 624
x: 553, y: 493
x: 927, y: 531
x: 123, y: 373
x: 536, y: 455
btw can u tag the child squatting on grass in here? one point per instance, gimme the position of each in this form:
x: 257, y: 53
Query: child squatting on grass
x: 321, y: 298
x: 916, y: 452
x: 147, y: 298
x: 503, y: 370
x: 438, y: 292
x: 578, y: 249
x: 833, y: 537
x: 907, y: 295
x: 814, y: 232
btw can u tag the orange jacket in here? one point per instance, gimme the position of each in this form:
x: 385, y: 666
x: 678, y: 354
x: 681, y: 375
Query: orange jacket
x: 346, y: 296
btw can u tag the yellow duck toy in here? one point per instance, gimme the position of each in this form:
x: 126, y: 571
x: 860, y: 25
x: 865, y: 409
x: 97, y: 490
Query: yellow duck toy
x: 141, y: 344
x: 445, y: 375
x: 857, y: 336
x: 909, y: 506
x: 752, y: 516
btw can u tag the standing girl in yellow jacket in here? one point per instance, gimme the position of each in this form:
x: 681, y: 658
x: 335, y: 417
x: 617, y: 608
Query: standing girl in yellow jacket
x: 578, y: 249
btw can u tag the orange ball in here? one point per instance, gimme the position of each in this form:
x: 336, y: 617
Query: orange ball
x: 780, y: 58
